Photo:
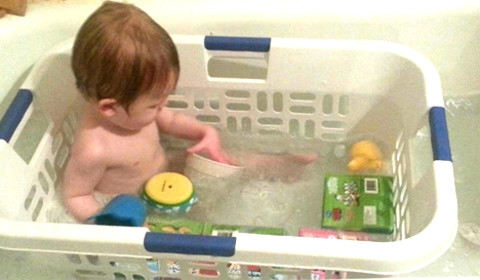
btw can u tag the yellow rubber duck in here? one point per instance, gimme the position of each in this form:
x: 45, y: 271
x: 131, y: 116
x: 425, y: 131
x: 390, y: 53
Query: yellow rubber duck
x: 365, y: 155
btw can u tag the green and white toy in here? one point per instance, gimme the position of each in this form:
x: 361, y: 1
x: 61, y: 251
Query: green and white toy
x: 358, y: 203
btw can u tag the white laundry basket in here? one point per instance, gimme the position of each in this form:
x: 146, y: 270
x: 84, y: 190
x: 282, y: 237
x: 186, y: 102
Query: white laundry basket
x: 311, y: 89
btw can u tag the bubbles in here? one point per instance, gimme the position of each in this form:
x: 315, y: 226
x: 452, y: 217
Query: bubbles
x: 465, y: 105
x: 447, y: 268
x: 339, y: 151
x: 462, y: 258
x: 457, y: 105
x: 282, y: 192
x: 471, y: 232
x: 260, y: 200
x: 464, y: 131
x: 56, y: 211
x: 263, y: 195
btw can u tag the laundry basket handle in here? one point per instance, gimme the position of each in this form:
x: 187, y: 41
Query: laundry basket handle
x: 190, y: 244
x: 14, y: 114
x: 227, y: 43
x: 439, y: 132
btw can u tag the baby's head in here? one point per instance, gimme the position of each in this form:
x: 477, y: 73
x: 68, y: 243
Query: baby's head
x: 121, y: 54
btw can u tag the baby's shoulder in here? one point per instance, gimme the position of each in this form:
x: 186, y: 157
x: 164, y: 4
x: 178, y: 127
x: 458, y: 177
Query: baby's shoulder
x: 90, y: 147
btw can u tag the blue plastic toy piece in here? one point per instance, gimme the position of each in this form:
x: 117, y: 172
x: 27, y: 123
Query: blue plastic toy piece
x: 123, y: 210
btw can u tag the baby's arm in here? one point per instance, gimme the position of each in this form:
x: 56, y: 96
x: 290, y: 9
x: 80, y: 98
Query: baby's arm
x: 84, y: 170
x: 183, y: 126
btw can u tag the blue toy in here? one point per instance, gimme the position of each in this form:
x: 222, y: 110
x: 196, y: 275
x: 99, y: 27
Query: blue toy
x: 123, y: 210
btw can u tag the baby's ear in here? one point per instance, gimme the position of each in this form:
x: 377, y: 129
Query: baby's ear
x: 108, y: 107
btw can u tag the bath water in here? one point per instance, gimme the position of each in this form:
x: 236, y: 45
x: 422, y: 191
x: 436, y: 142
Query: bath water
x: 462, y: 258
x: 463, y: 116
x: 288, y: 197
x: 263, y: 199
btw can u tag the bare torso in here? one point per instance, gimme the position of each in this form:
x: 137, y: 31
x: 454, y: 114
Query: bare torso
x: 130, y: 159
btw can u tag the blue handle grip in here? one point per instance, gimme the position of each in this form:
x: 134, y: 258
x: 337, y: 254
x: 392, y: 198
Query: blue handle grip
x: 224, y: 43
x: 190, y: 244
x: 14, y: 114
x: 439, y: 134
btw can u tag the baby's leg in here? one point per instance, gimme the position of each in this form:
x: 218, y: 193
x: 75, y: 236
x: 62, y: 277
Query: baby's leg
x: 284, y: 167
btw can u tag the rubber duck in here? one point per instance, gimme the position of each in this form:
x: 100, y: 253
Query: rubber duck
x: 365, y: 155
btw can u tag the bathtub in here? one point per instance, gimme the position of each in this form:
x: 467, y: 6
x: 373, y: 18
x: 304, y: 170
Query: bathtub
x: 445, y: 34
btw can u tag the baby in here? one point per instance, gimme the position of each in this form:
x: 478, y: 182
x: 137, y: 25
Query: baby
x: 125, y: 66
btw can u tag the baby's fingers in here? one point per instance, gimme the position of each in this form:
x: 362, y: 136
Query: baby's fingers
x: 195, y: 149
x: 222, y: 157
x: 200, y: 146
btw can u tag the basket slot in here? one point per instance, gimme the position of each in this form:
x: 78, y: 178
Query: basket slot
x: 439, y: 132
x: 14, y: 114
x: 190, y: 244
x: 237, y: 57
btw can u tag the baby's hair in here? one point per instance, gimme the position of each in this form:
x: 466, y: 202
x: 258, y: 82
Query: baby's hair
x: 122, y: 53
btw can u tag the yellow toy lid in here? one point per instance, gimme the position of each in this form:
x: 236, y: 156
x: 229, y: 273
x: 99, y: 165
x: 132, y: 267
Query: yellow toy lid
x: 169, y: 188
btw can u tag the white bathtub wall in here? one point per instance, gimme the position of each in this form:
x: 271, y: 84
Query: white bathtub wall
x: 446, y: 31
x: 24, y: 39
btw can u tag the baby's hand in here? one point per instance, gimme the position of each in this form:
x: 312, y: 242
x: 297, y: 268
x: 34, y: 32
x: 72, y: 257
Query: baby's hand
x: 211, y: 147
